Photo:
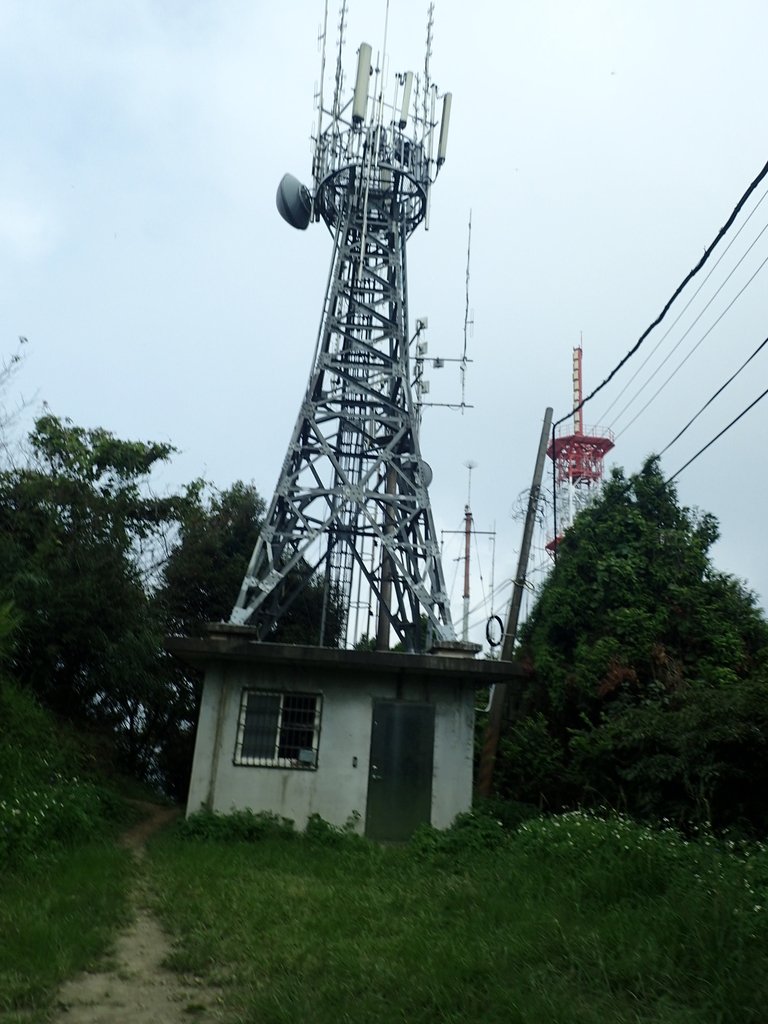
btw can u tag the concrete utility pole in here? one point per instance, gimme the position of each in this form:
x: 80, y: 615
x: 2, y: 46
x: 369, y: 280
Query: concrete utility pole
x: 498, y: 700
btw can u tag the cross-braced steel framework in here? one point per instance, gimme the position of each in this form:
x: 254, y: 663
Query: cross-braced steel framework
x: 578, y: 454
x: 351, y: 506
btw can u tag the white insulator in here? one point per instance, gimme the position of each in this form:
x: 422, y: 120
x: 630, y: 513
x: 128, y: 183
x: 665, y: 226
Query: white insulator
x: 444, y: 125
x: 360, y: 100
x: 406, y: 100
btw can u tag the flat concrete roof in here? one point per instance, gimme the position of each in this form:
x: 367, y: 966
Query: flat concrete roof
x: 238, y: 643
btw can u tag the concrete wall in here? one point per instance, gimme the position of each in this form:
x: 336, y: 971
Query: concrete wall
x: 338, y: 788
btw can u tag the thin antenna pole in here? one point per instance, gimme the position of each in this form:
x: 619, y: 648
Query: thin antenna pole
x: 322, y: 74
x: 339, y: 69
x: 467, y: 544
x: 466, y: 316
x: 467, y: 547
x: 429, y: 112
x: 578, y: 415
x: 493, y: 569
x: 383, y: 63
x: 427, y: 55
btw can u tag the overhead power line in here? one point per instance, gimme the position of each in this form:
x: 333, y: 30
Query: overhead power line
x: 688, y: 277
x: 686, y: 307
x: 687, y: 331
x: 685, y: 359
x: 718, y: 436
x: 710, y: 400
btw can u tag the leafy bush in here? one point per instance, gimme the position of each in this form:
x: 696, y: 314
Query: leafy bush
x: 649, y: 687
x: 700, y: 757
x: 323, y: 833
x: 470, y: 833
x: 253, y: 826
x: 511, y: 813
x: 41, y: 803
x: 237, y: 826
x: 65, y: 812
x: 531, y: 763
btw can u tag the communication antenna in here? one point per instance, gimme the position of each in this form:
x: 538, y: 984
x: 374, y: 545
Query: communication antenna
x: 351, y: 508
x: 339, y: 78
x: 470, y: 465
x: 577, y: 455
x: 422, y: 384
x: 468, y: 320
x: 468, y: 532
x: 322, y: 38
x: 467, y: 548
x: 427, y: 56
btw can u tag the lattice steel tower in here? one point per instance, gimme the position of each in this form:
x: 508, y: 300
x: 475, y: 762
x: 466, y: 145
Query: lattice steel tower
x: 351, y: 505
x: 578, y: 455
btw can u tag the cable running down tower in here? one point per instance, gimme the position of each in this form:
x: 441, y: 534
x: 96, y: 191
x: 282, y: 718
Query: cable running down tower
x: 351, y: 506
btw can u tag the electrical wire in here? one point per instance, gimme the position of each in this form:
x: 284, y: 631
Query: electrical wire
x: 455, y: 576
x: 683, y: 361
x: 709, y: 401
x: 688, y: 330
x: 688, y: 277
x: 481, y: 605
x: 718, y: 436
x: 480, y: 569
x: 687, y: 306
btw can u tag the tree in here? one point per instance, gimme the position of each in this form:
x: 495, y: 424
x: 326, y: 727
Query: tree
x: 633, y: 631
x: 202, y: 576
x: 203, y: 573
x: 76, y: 521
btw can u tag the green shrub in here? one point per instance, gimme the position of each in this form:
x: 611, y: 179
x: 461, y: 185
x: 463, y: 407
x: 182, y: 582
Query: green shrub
x: 470, y: 833
x: 323, y: 833
x: 42, y: 804
x: 65, y: 812
x: 237, y: 826
x: 530, y: 766
x: 511, y: 813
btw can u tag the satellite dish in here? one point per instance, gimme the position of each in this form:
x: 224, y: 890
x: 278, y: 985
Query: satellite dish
x: 294, y: 202
x: 426, y: 473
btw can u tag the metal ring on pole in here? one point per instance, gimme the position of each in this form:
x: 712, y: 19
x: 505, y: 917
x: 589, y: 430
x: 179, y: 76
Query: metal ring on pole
x: 488, y: 637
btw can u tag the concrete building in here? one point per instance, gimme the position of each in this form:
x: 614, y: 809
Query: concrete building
x: 381, y: 739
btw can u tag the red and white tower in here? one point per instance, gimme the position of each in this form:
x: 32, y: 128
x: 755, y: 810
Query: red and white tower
x: 578, y: 456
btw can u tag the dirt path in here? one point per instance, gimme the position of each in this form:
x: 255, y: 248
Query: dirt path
x: 134, y: 987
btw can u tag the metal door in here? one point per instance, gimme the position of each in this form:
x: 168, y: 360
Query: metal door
x: 400, y: 773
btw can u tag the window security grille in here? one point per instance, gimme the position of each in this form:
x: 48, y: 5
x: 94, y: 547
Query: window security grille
x: 278, y: 730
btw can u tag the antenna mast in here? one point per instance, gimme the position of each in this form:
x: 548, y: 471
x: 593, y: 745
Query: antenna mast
x: 351, y: 508
x: 467, y: 547
x: 422, y: 385
x: 578, y: 460
x: 468, y: 321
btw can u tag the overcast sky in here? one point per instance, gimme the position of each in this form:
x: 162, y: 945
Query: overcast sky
x: 599, y: 145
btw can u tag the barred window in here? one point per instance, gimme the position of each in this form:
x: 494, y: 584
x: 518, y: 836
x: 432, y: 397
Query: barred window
x: 278, y: 730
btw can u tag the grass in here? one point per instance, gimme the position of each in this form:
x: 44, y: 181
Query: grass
x: 63, y: 885
x: 58, y: 914
x: 570, y: 920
